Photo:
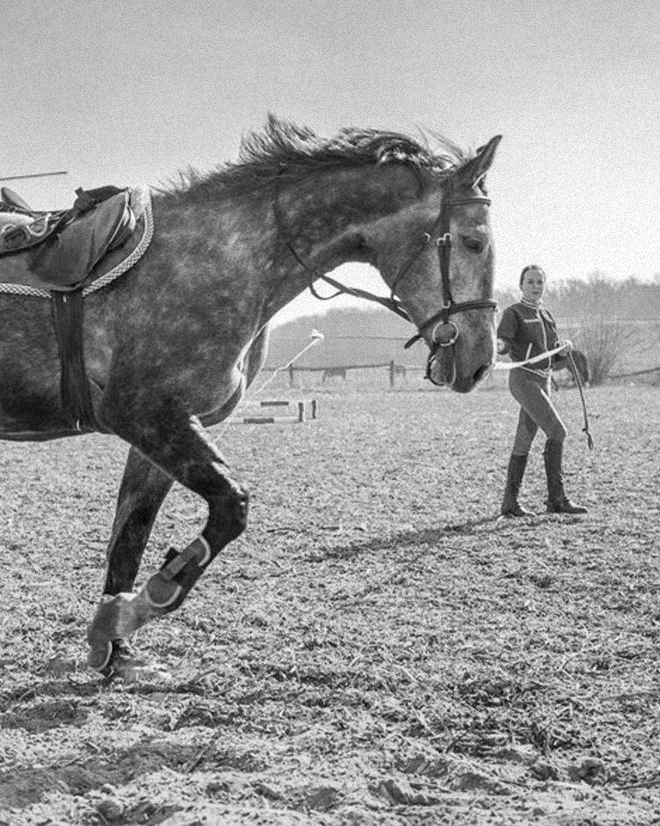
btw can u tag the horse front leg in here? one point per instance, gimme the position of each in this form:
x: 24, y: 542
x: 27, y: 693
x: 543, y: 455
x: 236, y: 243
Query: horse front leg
x: 185, y: 454
x: 143, y: 490
x: 141, y: 494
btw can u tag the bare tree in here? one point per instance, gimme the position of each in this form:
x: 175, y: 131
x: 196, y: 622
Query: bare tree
x: 600, y: 332
x: 604, y: 341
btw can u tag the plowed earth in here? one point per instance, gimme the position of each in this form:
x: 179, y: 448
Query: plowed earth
x: 377, y: 649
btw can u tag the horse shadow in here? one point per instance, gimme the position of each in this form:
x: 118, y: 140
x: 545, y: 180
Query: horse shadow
x: 26, y: 786
x: 58, y: 708
x: 403, y: 539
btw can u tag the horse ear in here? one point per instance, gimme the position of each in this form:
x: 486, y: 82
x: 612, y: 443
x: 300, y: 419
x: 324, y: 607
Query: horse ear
x: 475, y: 170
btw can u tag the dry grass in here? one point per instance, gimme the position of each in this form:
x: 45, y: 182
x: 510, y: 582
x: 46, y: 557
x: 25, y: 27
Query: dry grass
x: 376, y: 650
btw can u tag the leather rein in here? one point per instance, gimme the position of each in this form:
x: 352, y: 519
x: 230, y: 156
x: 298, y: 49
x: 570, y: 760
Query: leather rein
x: 439, y: 231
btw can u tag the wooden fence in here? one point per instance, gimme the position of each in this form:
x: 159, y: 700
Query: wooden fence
x: 394, y: 371
x: 340, y: 371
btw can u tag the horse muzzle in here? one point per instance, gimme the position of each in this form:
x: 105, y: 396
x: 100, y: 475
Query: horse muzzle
x: 444, y: 369
x: 456, y: 362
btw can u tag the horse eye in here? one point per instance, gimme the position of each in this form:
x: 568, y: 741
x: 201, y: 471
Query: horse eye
x: 472, y: 244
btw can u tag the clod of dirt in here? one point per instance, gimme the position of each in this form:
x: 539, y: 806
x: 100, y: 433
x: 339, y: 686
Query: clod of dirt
x: 587, y: 770
x: 429, y: 766
x: 541, y: 580
x: 110, y: 808
x: 322, y: 799
x: 402, y: 793
x: 517, y: 754
x: 267, y: 790
x: 358, y: 817
x: 471, y: 781
x: 544, y: 770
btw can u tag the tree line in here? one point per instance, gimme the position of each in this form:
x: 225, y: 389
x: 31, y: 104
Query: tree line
x: 629, y: 300
x: 615, y: 323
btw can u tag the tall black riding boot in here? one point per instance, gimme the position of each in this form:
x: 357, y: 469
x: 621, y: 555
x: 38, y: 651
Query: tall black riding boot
x: 515, y: 473
x: 557, y: 502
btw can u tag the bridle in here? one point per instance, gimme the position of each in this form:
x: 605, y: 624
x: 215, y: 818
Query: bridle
x: 440, y: 231
x: 449, y: 307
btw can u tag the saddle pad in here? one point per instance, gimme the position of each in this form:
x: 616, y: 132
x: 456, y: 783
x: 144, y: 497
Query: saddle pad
x: 89, y: 256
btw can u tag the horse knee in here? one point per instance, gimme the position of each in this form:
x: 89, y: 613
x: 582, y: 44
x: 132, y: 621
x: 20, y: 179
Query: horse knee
x: 228, y: 514
x: 238, y: 511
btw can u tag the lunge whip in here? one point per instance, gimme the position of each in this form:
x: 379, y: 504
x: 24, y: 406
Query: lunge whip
x: 315, y: 337
x: 578, y: 381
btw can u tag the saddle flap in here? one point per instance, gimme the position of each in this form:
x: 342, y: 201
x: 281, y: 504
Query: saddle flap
x: 70, y: 255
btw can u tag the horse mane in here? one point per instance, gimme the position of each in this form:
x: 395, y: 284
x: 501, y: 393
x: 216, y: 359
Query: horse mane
x: 283, y: 148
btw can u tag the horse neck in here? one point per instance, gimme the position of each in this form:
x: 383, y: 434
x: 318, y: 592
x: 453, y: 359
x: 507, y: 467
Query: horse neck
x: 277, y: 240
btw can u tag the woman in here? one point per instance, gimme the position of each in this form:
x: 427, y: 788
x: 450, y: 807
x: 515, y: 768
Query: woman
x: 527, y: 330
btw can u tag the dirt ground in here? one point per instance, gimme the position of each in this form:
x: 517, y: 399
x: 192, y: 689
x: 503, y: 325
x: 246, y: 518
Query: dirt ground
x: 376, y: 650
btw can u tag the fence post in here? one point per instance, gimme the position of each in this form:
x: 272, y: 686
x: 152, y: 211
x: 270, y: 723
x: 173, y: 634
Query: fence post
x: 392, y: 372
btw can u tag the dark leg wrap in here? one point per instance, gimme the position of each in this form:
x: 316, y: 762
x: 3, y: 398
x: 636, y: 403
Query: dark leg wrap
x: 179, y: 573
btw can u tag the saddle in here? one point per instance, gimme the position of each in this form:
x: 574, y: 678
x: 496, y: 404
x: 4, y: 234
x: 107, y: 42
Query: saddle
x: 63, y: 256
x: 59, y: 251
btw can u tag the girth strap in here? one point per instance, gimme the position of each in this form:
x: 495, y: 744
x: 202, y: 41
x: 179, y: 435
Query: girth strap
x: 74, y: 387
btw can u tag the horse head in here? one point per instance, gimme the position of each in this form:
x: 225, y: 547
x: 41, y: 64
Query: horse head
x: 436, y: 255
x: 420, y: 216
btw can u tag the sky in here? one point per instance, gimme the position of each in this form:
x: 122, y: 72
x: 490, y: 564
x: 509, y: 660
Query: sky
x: 129, y: 92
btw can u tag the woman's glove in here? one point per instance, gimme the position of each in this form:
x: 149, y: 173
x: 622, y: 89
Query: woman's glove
x: 567, y: 346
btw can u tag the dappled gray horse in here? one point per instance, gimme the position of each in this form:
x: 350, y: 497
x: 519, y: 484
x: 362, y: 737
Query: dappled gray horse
x: 170, y: 347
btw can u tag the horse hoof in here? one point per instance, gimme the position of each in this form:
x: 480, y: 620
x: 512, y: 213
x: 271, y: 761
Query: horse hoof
x: 111, y: 658
x: 122, y: 664
x: 100, y: 655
